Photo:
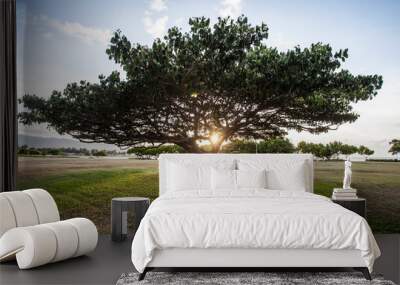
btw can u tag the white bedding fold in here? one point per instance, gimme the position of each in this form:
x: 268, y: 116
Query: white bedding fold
x: 250, y: 219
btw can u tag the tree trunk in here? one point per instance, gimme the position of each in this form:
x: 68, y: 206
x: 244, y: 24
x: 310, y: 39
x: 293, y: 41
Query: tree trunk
x: 191, y: 147
x: 216, y: 148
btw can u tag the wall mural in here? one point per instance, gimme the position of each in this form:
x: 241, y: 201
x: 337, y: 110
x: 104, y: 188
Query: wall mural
x: 105, y: 88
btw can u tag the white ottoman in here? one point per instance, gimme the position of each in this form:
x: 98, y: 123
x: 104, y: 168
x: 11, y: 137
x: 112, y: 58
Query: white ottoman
x: 31, y: 232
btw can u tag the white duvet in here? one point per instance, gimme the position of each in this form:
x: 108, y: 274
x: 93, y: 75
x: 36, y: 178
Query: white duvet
x: 250, y: 219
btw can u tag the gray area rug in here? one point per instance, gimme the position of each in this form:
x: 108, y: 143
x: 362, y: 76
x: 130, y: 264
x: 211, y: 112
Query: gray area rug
x: 269, y: 278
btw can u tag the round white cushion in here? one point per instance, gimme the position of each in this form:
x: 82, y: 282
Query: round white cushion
x: 33, y: 246
x: 46, y: 207
x: 40, y: 244
x: 26, y: 208
x: 66, y: 238
x: 7, y: 220
x: 87, y: 234
x: 23, y: 208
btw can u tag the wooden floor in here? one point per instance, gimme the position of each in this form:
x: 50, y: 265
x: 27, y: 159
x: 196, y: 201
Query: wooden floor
x: 110, y: 260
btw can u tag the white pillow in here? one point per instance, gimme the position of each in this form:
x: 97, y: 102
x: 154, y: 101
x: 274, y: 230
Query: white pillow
x: 186, y: 174
x: 223, y: 179
x: 287, y: 174
x: 183, y: 178
x: 251, y: 178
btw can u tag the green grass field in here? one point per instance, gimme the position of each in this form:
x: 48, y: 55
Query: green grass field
x: 88, y: 193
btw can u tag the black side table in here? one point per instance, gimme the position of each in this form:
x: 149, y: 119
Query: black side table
x: 358, y: 206
x: 119, y: 215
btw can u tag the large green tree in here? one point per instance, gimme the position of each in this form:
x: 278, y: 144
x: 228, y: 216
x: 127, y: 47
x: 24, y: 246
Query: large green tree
x: 276, y: 145
x: 394, y: 146
x: 332, y: 149
x: 213, y: 83
x: 317, y: 149
x: 348, y: 150
x: 363, y: 150
x: 273, y: 145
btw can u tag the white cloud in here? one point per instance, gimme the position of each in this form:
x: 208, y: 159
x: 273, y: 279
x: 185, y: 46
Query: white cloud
x: 158, y: 5
x: 231, y: 8
x: 77, y: 30
x: 156, y: 27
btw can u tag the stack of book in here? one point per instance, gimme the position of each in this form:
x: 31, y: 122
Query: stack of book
x: 344, y: 194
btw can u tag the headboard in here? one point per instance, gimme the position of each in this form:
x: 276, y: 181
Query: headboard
x: 165, y: 158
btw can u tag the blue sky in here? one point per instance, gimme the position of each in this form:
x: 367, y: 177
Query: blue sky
x: 61, y: 41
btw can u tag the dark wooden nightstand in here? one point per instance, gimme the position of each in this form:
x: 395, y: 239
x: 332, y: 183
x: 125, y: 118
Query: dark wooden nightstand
x: 358, y: 206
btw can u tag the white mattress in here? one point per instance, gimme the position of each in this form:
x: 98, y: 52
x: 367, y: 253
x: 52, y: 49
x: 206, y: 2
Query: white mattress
x: 253, y: 219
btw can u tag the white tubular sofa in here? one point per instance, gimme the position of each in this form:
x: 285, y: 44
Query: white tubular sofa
x: 31, y: 231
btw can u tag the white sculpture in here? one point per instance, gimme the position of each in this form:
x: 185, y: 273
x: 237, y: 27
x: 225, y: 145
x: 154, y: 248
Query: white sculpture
x: 347, y: 174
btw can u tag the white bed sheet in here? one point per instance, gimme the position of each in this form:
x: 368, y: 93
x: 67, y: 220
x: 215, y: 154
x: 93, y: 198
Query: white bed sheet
x: 252, y: 218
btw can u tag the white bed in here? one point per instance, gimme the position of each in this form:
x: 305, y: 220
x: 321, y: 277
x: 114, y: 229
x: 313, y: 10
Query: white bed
x: 280, y: 225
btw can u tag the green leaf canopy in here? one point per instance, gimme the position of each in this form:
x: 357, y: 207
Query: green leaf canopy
x: 214, y: 79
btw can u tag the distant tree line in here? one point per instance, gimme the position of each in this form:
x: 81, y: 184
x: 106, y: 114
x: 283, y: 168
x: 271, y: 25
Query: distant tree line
x: 148, y: 152
x: 25, y: 150
x: 277, y: 145
x: 332, y: 150
x: 328, y: 151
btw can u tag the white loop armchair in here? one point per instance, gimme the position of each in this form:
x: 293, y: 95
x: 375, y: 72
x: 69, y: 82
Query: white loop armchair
x: 31, y: 230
